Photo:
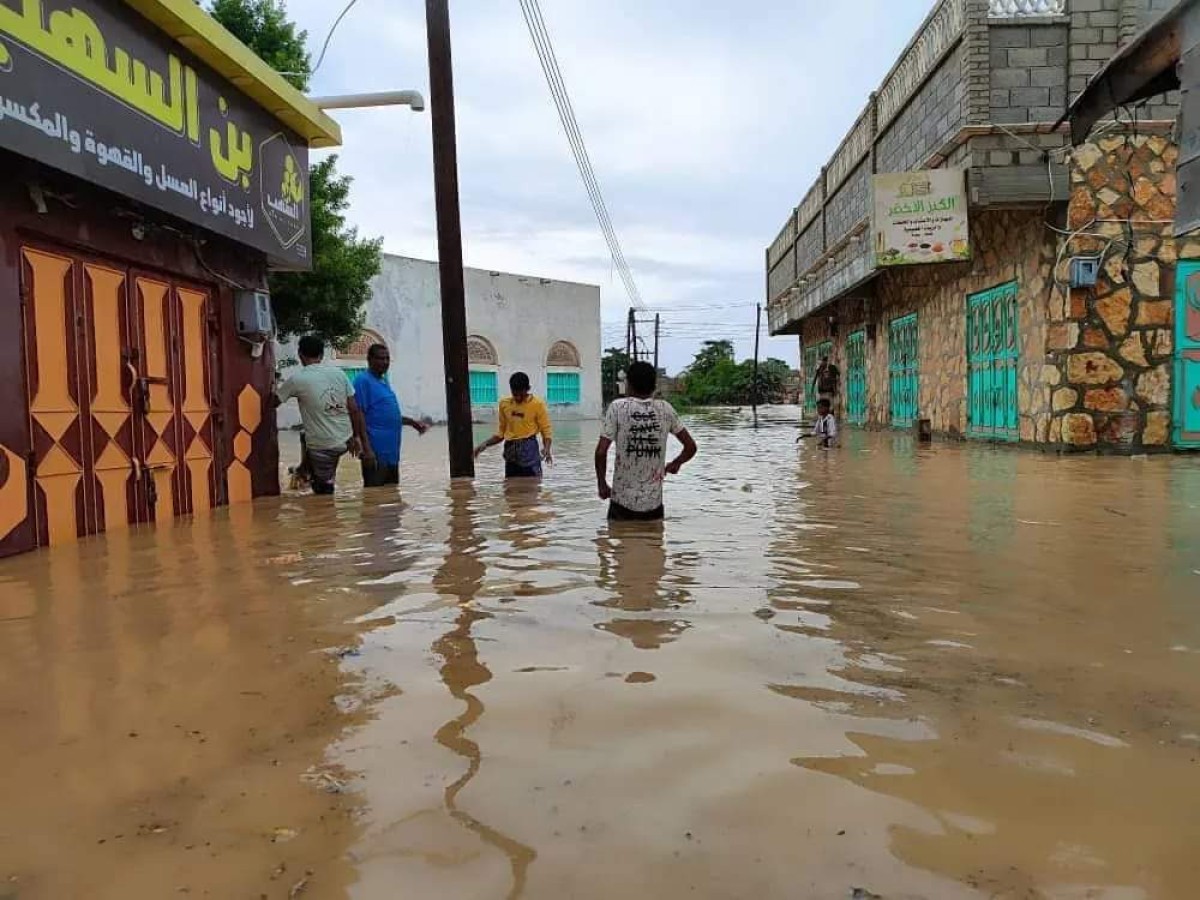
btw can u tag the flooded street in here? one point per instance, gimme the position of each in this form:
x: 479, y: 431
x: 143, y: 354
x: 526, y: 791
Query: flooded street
x: 943, y: 672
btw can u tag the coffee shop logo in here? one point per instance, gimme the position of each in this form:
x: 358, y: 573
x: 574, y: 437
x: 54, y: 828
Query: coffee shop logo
x: 283, y: 190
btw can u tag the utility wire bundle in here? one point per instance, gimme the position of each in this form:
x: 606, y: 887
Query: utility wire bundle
x: 566, y: 114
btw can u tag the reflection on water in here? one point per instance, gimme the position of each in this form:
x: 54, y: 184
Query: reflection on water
x: 912, y: 671
x: 459, y: 578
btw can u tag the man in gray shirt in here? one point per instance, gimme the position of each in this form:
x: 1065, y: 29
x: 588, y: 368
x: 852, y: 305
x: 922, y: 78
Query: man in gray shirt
x: 333, y: 424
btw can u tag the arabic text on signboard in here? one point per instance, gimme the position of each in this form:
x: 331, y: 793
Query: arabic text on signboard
x: 88, y: 87
x: 920, y: 217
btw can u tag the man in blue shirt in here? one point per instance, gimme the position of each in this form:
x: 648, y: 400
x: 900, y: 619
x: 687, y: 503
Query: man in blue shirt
x: 384, y: 420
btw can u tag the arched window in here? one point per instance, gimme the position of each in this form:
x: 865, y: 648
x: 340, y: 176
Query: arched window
x: 563, y: 355
x: 481, y: 352
x: 353, y: 360
x: 562, y: 374
x: 358, y: 350
x: 483, y: 361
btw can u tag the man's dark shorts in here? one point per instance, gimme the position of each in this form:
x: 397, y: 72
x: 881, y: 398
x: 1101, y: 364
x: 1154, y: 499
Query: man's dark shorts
x: 380, y: 475
x: 619, y: 513
x: 323, y: 466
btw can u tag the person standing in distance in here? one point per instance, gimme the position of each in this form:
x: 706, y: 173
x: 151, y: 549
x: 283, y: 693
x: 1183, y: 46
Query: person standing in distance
x: 333, y: 423
x: 639, y: 425
x: 383, y: 419
x: 522, y: 418
x: 825, y: 381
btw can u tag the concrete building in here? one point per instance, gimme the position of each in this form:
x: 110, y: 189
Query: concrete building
x: 1049, y: 317
x: 517, y: 323
x: 137, y: 221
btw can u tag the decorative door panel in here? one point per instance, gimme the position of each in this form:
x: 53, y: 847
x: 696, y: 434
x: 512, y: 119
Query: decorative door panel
x: 992, y: 356
x: 1187, y: 355
x: 116, y: 488
x: 903, y: 372
x: 157, y: 435
x: 811, y: 358
x: 856, y: 378
x: 53, y: 316
x: 196, y: 482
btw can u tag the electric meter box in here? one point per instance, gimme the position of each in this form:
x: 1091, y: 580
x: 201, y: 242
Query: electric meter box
x: 1084, y: 271
x: 253, y: 313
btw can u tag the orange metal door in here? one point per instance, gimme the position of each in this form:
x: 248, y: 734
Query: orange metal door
x: 120, y: 395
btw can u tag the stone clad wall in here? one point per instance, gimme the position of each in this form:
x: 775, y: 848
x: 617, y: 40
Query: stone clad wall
x: 1111, y: 347
x: 1009, y: 245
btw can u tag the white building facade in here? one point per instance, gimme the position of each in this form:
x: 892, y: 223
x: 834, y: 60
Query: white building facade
x: 516, y: 323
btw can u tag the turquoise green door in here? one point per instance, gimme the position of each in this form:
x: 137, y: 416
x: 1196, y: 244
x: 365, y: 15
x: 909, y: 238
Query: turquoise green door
x: 811, y: 355
x: 1187, y: 355
x: 856, y: 378
x: 903, y: 374
x: 992, y: 354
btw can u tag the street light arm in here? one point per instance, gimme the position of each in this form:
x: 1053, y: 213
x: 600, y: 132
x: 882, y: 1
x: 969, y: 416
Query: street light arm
x: 412, y: 99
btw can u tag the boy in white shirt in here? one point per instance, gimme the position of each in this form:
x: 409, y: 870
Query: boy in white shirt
x: 825, y: 429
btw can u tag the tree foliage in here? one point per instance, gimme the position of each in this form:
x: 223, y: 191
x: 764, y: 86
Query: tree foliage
x: 329, y: 300
x: 714, y: 378
x: 263, y: 26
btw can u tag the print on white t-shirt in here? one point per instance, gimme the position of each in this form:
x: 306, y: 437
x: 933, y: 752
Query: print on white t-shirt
x: 639, y: 430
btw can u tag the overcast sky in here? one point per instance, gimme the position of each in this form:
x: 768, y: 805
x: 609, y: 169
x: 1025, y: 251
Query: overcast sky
x: 706, y: 121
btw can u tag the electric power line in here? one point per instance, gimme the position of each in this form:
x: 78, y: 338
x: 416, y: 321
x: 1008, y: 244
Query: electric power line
x: 540, y: 36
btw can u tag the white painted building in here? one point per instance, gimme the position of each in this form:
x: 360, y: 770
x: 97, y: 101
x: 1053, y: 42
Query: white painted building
x: 517, y: 323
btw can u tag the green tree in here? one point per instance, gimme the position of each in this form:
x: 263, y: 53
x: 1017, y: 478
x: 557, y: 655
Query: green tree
x: 714, y: 378
x: 263, y: 26
x: 328, y: 300
x: 612, y: 364
x: 710, y: 356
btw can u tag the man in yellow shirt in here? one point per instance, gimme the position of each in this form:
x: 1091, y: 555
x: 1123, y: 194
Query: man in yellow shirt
x: 522, y: 418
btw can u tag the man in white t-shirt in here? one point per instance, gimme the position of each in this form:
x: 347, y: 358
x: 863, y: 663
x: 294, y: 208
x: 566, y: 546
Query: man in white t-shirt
x: 639, y: 425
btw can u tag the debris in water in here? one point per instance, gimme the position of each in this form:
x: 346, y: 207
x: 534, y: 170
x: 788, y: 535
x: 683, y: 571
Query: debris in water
x: 283, y: 835
x: 863, y: 894
x: 765, y: 613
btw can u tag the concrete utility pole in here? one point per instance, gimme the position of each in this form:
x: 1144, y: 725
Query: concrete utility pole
x: 449, y: 228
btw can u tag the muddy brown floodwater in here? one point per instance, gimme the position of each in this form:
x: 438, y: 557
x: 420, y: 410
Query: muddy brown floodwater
x: 893, y: 671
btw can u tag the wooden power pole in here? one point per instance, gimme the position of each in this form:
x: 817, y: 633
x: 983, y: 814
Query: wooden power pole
x: 657, y: 323
x: 449, y: 230
x: 754, y: 389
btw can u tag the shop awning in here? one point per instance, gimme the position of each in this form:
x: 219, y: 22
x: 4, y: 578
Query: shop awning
x: 187, y: 23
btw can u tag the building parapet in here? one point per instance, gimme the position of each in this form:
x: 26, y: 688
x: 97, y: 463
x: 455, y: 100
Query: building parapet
x: 980, y: 86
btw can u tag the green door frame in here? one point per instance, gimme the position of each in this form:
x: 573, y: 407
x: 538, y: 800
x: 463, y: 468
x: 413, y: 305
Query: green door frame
x: 993, y: 353
x: 856, y: 377
x: 904, y: 375
x: 1187, y: 355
